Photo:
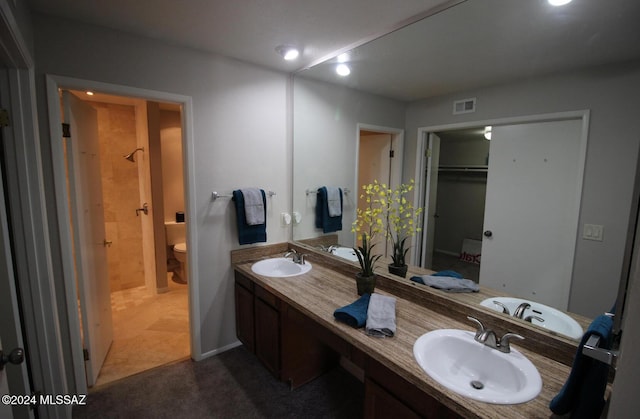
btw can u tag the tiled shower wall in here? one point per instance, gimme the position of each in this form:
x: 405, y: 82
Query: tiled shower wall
x: 120, y: 189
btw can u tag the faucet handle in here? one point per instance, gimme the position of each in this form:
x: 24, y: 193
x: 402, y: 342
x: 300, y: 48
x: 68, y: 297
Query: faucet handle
x: 504, y: 341
x: 481, y: 328
x: 505, y: 310
x: 529, y: 318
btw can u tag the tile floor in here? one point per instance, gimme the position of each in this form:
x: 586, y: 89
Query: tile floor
x: 148, y: 331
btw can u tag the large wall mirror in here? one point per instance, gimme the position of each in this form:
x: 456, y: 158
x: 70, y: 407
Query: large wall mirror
x: 567, y: 75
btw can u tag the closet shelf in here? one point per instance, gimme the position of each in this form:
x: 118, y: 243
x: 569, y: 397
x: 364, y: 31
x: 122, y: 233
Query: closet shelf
x: 464, y: 168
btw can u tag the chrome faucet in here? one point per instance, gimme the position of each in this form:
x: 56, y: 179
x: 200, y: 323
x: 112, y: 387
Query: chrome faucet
x: 295, y: 256
x: 489, y: 338
x: 505, y: 310
x: 519, y: 313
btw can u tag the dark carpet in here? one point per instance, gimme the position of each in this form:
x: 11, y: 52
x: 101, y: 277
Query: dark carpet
x: 231, y: 385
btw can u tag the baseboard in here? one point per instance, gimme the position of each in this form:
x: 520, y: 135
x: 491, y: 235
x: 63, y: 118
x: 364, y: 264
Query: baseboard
x: 219, y: 350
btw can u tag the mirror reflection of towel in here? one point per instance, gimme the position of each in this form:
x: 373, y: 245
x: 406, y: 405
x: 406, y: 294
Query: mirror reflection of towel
x: 334, y: 201
x: 324, y: 221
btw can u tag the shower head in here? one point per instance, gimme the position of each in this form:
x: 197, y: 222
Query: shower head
x: 130, y: 155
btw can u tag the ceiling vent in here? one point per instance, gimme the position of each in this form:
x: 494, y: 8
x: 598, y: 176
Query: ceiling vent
x: 464, y: 106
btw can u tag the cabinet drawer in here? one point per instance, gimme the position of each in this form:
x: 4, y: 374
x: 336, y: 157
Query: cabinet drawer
x: 266, y: 296
x: 244, y: 281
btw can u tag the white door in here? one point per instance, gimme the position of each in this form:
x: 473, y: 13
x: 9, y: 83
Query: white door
x: 5, y: 409
x: 87, y: 213
x: 533, y: 192
x: 16, y: 381
x: 431, y: 192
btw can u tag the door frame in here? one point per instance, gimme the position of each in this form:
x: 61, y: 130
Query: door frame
x: 53, y: 84
x: 421, y: 160
x: 397, y: 137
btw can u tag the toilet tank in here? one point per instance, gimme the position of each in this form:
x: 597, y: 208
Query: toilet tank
x: 175, y: 232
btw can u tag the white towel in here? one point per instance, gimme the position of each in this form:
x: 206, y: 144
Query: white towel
x: 333, y: 201
x: 381, y: 316
x: 253, y: 206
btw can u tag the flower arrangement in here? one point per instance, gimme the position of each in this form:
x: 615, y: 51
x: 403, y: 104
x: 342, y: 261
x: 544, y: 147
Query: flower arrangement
x: 368, y: 225
x: 401, y: 220
x: 389, y: 212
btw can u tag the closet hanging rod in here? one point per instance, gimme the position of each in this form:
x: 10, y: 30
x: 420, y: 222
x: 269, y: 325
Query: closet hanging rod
x: 215, y: 195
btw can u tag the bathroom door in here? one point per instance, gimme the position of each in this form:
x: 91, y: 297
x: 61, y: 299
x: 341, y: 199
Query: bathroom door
x: 530, y: 225
x: 10, y: 324
x: 90, y: 244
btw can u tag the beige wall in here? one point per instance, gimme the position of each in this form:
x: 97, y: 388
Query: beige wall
x: 172, y: 172
x: 120, y: 186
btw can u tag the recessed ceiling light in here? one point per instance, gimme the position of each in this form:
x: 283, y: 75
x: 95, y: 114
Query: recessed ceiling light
x: 89, y: 93
x: 558, y: 2
x: 288, y: 52
x: 343, y: 70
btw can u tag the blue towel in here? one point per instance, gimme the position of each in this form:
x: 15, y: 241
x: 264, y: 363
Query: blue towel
x: 248, y: 234
x: 583, y: 393
x: 452, y: 274
x: 354, y: 314
x: 327, y: 223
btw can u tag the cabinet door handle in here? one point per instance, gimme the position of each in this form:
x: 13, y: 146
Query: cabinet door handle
x: 488, y: 233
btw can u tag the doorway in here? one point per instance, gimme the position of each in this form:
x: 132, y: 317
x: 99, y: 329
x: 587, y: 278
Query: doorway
x: 529, y: 227
x: 379, y: 159
x: 149, y: 313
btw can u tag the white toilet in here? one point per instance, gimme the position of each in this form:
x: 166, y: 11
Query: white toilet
x: 176, y: 240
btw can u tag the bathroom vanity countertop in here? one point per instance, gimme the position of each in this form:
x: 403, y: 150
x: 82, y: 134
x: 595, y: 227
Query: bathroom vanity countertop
x: 322, y: 290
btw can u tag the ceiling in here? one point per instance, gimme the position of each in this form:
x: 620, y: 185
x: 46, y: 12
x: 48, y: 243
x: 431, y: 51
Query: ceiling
x: 249, y: 30
x: 488, y: 42
x: 476, y: 43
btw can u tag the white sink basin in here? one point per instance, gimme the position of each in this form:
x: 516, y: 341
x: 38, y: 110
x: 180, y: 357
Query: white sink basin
x: 280, y: 267
x: 345, y: 253
x: 454, y: 359
x: 554, y: 320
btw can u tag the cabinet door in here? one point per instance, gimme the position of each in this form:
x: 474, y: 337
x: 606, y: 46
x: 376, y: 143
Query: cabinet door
x: 267, y: 329
x: 379, y: 403
x: 244, y: 317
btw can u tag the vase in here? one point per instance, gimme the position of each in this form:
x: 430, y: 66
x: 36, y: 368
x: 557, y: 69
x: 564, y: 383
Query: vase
x: 398, y: 270
x: 366, y: 284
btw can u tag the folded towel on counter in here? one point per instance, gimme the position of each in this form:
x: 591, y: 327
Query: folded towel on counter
x: 334, y: 201
x: 583, y: 392
x: 324, y: 221
x: 354, y: 314
x: 248, y: 234
x: 447, y: 283
x: 452, y: 274
x: 253, y: 206
x: 381, y: 316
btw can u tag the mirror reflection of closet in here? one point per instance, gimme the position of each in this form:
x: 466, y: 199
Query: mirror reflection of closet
x: 459, y: 195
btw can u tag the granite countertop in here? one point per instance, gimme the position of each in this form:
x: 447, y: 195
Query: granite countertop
x: 319, y: 292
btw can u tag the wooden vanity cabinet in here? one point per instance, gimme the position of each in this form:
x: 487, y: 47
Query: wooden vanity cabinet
x: 387, y: 393
x: 279, y: 335
x: 244, y: 312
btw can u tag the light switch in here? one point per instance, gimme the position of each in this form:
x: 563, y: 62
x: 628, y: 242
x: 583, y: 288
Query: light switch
x: 593, y: 232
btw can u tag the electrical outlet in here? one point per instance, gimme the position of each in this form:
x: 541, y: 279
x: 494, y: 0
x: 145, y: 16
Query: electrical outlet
x: 593, y: 232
